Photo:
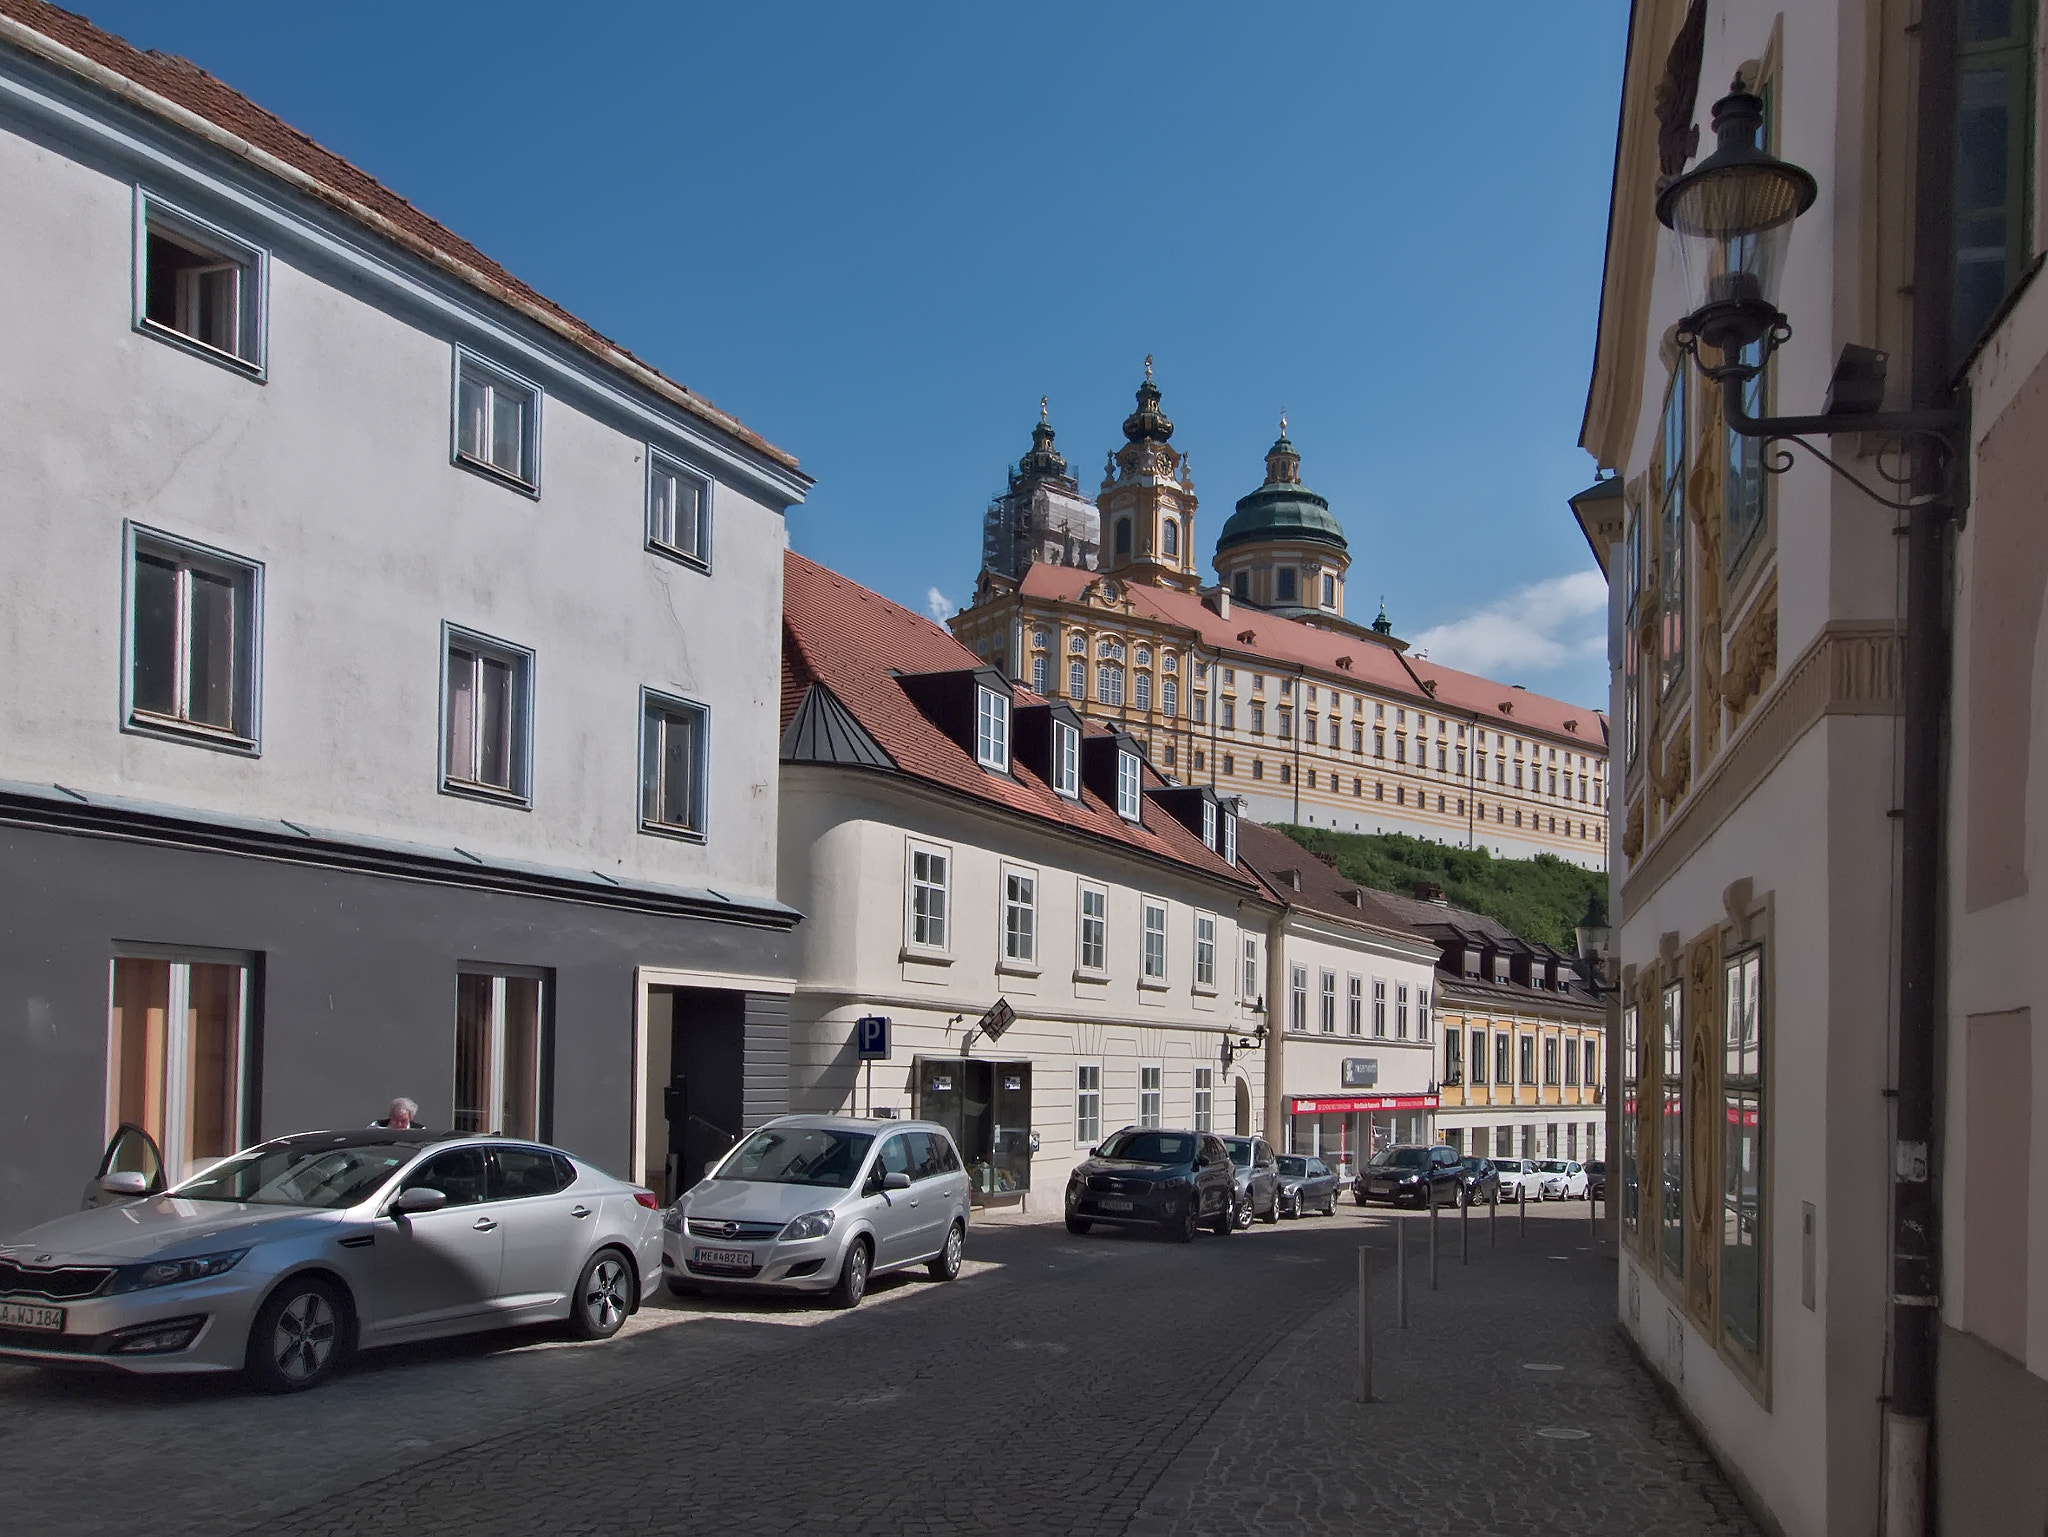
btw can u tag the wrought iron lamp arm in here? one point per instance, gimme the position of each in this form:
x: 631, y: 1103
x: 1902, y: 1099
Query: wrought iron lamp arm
x: 1939, y: 425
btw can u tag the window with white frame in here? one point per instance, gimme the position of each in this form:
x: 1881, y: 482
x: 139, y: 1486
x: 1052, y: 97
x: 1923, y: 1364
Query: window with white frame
x: 1109, y: 684
x: 1229, y: 849
x: 499, y: 1050
x: 486, y: 713
x: 1169, y: 695
x: 1354, y: 1017
x: 930, y: 894
x: 992, y: 729
x: 1078, y: 643
x: 179, y: 1049
x: 1401, y: 1011
x: 1041, y: 674
x: 1141, y: 690
x: 1151, y: 1093
x: 1327, y: 1017
x: 678, y: 510
x: 1155, y: 941
x: 1379, y: 1007
x: 497, y: 421
x: 1020, y: 916
x: 1209, y: 823
x: 672, y: 763
x: 1205, y: 1098
x: 1066, y: 759
x: 1251, y: 968
x: 1422, y: 1013
x: 1297, y: 998
x: 1094, y: 954
x: 198, y: 286
x: 1128, y: 804
x: 1077, y: 680
x: 1087, y: 1104
x: 1205, y: 950
x: 194, y: 623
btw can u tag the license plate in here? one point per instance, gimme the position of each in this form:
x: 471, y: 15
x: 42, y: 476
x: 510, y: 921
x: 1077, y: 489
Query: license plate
x: 21, y: 1315
x: 723, y: 1259
x: 1114, y: 1205
x: 1382, y: 1189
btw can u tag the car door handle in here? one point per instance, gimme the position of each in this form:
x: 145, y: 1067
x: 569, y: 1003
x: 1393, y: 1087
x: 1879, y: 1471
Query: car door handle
x: 579, y: 1211
x: 485, y: 1224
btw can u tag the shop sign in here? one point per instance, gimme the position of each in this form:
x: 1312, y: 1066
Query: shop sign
x: 1361, y: 1072
x: 1000, y: 1017
x: 1358, y: 1102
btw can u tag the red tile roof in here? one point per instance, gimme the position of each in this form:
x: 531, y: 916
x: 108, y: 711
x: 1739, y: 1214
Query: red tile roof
x: 1381, y: 669
x: 1272, y: 854
x: 184, y: 94
x: 837, y: 632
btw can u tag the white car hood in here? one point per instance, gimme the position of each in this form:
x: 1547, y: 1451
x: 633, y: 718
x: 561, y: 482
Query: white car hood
x: 739, y: 1200
x: 160, y: 1227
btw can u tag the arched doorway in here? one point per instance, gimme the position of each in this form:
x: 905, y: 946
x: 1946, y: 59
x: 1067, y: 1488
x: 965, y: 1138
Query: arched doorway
x: 1244, y: 1108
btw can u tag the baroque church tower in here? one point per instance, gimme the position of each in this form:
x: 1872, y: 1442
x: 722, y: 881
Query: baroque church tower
x: 1042, y: 516
x: 1147, y: 501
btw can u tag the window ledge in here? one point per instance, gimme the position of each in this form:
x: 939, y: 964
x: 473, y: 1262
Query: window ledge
x: 1011, y: 968
x: 1083, y: 974
x: 171, y: 729
x: 925, y: 956
x: 490, y: 794
x: 670, y: 830
x: 1154, y: 984
x: 490, y: 471
x: 1201, y: 991
x: 234, y: 362
x: 680, y: 557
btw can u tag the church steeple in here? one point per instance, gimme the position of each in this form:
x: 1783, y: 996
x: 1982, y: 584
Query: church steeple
x: 1043, y: 461
x: 1042, y: 516
x: 1283, y: 464
x: 1148, y: 500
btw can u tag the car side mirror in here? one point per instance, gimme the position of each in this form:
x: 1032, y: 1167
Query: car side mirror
x: 895, y: 1181
x: 126, y: 1182
x: 1095, y: 1152
x: 419, y: 1198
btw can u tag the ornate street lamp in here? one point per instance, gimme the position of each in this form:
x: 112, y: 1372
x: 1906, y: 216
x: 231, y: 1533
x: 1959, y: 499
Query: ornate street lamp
x: 1732, y: 216
x: 1594, y: 936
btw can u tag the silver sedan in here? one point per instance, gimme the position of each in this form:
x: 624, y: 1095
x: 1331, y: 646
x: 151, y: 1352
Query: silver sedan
x: 282, y: 1259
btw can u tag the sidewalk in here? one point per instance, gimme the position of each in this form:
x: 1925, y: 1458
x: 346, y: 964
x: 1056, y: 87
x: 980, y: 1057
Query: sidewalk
x: 1510, y: 1405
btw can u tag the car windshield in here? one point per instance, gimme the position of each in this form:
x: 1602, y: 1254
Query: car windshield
x: 288, y: 1174
x: 1294, y: 1166
x: 1240, y: 1153
x: 1508, y: 1165
x: 1161, y: 1147
x: 1401, y: 1158
x: 1550, y: 1166
x: 798, y: 1155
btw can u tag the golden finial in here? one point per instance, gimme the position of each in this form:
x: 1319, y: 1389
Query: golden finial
x: 1041, y: 408
x: 1283, y: 421
x: 1148, y: 367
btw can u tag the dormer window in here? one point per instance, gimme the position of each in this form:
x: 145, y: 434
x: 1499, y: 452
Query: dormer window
x: 1127, y: 786
x: 1209, y: 823
x: 1066, y: 760
x: 1229, y: 849
x: 992, y: 730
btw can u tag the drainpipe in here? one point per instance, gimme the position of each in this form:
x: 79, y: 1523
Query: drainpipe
x: 1277, y: 1020
x: 1916, y: 1256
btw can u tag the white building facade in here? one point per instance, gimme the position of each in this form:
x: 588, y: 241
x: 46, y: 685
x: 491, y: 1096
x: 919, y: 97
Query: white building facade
x: 387, y: 674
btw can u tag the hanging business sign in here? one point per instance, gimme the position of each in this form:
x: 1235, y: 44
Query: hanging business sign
x: 998, y: 1019
x: 1358, y: 1102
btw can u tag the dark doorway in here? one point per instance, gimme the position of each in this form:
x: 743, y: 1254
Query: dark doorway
x: 703, y: 1102
x: 987, y: 1107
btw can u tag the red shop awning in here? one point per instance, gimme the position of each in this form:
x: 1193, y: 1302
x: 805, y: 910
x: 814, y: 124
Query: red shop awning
x: 1350, y: 1103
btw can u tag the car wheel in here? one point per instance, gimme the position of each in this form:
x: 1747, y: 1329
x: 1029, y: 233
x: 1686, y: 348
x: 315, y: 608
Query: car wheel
x: 853, y: 1276
x: 1224, y: 1223
x: 1358, y: 1196
x: 1294, y: 1206
x: 1330, y: 1204
x: 1272, y: 1217
x: 1077, y: 1227
x: 1183, y: 1231
x: 299, y: 1337
x: 1464, y: 1194
x: 945, y: 1265
x: 1241, y: 1216
x: 603, y: 1296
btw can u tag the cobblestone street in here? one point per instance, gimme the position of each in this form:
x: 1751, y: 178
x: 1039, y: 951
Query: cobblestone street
x: 1112, y: 1384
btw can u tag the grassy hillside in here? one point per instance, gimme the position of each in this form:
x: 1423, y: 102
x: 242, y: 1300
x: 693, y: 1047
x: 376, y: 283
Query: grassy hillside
x: 1539, y: 899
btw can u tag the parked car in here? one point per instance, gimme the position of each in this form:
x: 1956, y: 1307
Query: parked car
x: 281, y: 1260
x: 1519, y: 1178
x: 821, y: 1203
x: 1307, y: 1184
x: 1410, y: 1174
x: 1561, y: 1179
x: 1477, y: 1183
x: 1258, y: 1179
x: 1596, y: 1179
x: 1144, y: 1176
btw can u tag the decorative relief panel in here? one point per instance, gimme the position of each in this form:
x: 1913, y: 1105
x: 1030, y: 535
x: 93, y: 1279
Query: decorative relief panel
x: 1702, y: 1125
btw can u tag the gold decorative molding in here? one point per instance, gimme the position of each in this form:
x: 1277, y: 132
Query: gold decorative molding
x: 1671, y: 769
x: 1752, y: 657
x: 1850, y: 668
x: 1632, y: 833
x: 1703, y: 1126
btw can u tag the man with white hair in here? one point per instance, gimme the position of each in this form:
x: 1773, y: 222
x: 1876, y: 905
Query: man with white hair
x: 404, y: 1116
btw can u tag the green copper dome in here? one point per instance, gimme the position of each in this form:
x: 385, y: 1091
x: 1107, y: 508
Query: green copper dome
x: 1283, y: 508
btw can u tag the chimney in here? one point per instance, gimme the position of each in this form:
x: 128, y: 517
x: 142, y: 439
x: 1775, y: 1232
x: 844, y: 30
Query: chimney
x: 1219, y: 600
x: 1431, y: 891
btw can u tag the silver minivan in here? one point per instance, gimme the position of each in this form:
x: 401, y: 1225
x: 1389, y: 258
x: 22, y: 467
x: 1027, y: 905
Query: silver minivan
x: 821, y: 1203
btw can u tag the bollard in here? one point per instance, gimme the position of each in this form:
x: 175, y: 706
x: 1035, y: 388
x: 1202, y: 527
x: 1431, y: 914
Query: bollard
x: 1364, y: 1325
x: 1592, y: 1211
x: 1522, y: 1200
x: 1432, y: 1238
x: 1465, y: 1230
x: 1401, y: 1270
x: 1493, y: 1216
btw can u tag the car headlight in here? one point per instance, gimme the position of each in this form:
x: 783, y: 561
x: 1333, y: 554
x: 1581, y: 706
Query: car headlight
x: 672, y: 1219
x: 168, y: 1272
x: 812, y: 1224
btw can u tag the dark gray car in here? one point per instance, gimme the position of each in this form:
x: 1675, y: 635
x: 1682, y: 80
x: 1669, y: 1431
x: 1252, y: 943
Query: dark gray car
x: 1258, y: 1179
x: 1307, y: 1184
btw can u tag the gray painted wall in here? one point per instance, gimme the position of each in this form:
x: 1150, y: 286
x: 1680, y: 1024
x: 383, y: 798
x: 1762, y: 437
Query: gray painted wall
x: 359, y: 977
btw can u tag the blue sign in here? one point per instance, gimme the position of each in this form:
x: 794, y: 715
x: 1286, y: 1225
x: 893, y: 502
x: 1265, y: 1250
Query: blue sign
x: 871, y: 1032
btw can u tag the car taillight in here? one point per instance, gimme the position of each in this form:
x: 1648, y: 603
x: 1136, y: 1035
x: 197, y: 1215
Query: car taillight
x: 646, y: 1199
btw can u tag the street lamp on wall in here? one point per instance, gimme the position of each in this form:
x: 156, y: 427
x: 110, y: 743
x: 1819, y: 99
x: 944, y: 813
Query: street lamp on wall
x: 1595, y: 937
x: 1731, y: 217
x: 1250, y: 1042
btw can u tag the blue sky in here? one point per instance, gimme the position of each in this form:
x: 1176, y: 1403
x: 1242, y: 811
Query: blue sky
x: 878, y: 234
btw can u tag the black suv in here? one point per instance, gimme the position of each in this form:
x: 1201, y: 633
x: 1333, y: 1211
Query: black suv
x: 1409, y: 1174
x: 1143, y: 1176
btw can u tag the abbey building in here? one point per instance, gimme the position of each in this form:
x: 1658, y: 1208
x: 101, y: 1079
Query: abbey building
x: 1257, y: 685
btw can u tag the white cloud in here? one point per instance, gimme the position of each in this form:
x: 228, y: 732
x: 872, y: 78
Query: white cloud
x: 938, y: 605
x: 1545, y: 626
